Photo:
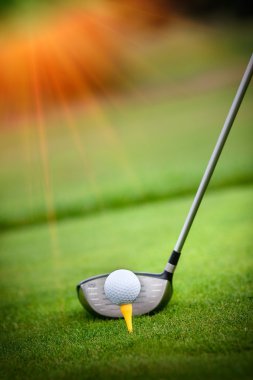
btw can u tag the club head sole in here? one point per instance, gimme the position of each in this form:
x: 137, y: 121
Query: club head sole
x: 156, y: 291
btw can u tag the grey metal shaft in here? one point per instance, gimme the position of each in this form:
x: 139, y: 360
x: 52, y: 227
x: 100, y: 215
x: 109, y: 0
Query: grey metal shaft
x: 215, y: 155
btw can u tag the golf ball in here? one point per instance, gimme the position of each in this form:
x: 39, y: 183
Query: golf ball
x: 122, y: 287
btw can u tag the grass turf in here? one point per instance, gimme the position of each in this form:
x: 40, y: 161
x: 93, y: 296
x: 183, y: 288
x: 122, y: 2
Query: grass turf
x: 205, y: 331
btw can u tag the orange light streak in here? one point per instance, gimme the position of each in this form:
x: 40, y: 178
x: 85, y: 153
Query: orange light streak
x: 70, y: 64
x: 72, y: 126
x: 51, y: 215
x: 70, y: 67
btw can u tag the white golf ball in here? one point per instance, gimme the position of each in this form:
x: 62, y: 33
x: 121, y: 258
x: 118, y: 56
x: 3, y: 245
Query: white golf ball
x: 122, y: 287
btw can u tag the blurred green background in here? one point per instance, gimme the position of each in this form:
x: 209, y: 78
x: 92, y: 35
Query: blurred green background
x: 109, y: 113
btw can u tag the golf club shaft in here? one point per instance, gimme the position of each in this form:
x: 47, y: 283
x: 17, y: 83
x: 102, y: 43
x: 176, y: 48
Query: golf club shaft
x: 215, y: 155
x: 211, y: 165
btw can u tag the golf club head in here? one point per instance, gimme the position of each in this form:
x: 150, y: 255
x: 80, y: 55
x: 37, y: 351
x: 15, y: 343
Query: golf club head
x: 155, y: 293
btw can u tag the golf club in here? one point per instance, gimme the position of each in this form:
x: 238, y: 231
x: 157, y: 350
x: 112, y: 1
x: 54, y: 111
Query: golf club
x: 156, y: 289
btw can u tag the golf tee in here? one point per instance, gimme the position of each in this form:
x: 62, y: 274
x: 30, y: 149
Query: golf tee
x: 127, y: 312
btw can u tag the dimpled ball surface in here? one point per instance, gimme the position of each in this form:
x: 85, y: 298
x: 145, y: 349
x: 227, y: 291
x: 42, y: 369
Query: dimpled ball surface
x: 122, y: 287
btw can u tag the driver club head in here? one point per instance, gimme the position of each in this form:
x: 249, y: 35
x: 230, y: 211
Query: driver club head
x: 155, y: 293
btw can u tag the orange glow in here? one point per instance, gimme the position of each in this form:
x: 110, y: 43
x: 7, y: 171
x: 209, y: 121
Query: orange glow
x: 49, y: 199
x: 78, y: 37
x: 85, y: 48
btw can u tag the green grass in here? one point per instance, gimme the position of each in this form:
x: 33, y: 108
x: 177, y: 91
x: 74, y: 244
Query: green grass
x: 135, y: 149
x: 130, y: 155
x: 120, y: 185
x: 205, y: 331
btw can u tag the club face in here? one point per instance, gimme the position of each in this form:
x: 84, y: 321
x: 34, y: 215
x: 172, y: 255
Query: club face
x: 156, y: 291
